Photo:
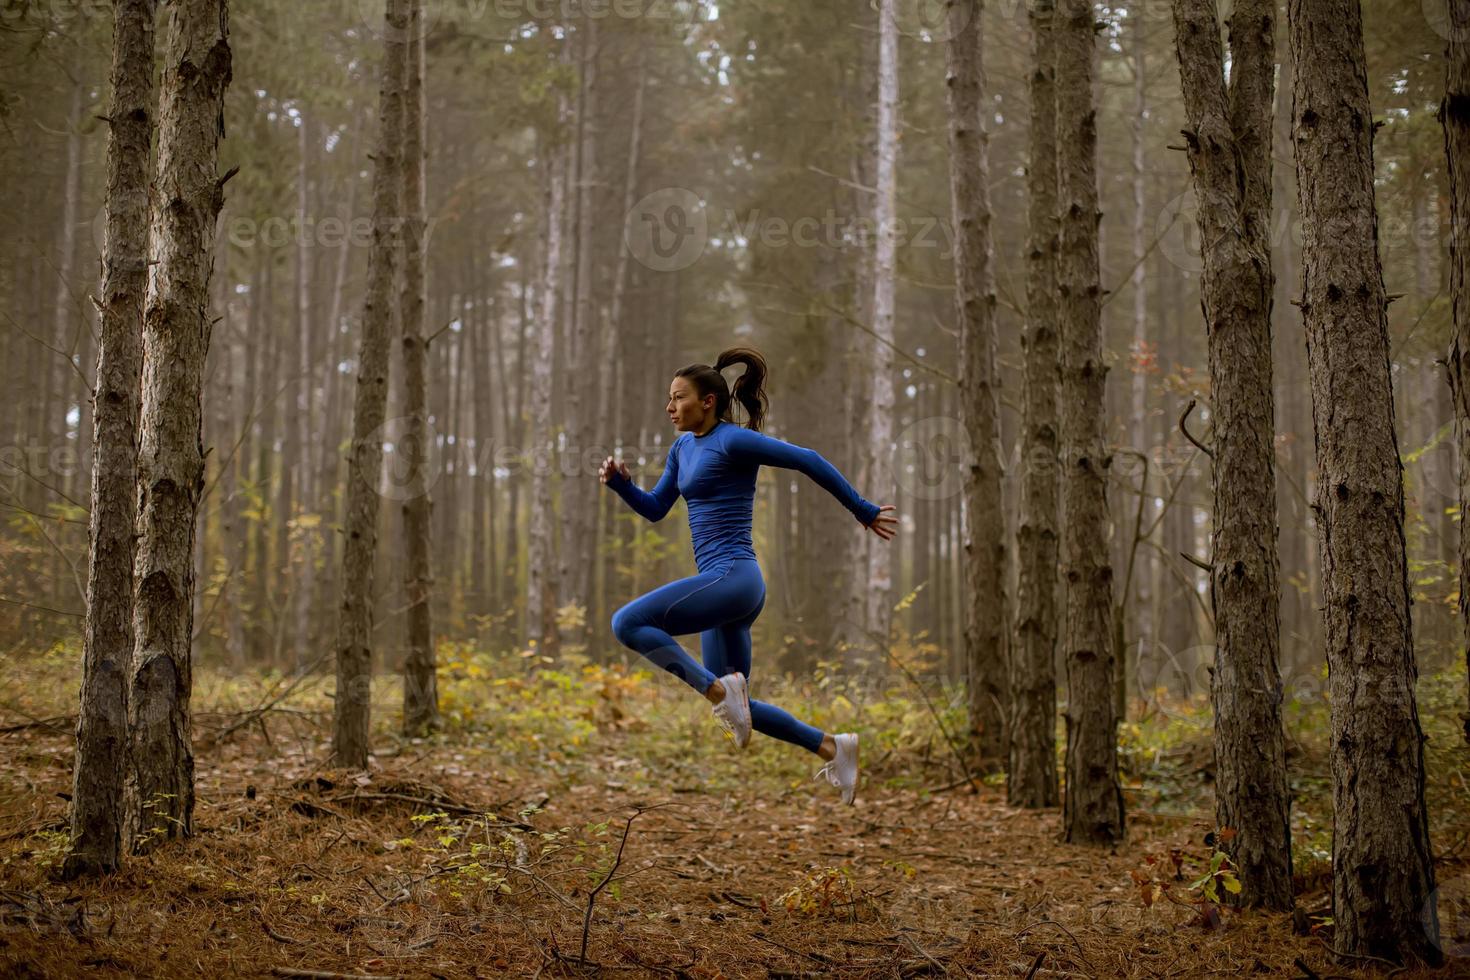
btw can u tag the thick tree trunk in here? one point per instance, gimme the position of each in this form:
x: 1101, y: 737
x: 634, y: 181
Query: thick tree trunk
x: 351, y: 718
x: 420, y: 691
x: 176, y: 326
x: 985, y: 559
x: 1093, y: 806
x: 1229, y: 147
x: 1032, y: 768
x: 1455, y: 116
x: 101, y: 753
x: 1383, y: 885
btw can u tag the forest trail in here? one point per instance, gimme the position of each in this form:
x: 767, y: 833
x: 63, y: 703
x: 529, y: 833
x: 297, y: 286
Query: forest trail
x: 748, y: 872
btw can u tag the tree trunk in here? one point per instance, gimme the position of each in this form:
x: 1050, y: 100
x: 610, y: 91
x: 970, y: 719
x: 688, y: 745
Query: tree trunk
x: 879, y: 613
x: 420, y: 691
x: 985, y: 545
x: 268, y: 374
x: 1032, y: 769
x: 101, y: 751
x: 516, y: 435
x: 540, y: 626
x: 1229, y: 148
x: 355, y: 626
x: 1455, y: 116
x: 69, y: 324
x: 579, y: 493
x: 482, y: 516
x: 303, y: 575
x: 1135, y: 605
x: 1384, y: 880
x: 176, y: 326
x: 1093, y: 806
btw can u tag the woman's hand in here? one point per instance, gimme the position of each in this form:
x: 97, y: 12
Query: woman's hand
x: 611, y: 466
x: 884, y: 525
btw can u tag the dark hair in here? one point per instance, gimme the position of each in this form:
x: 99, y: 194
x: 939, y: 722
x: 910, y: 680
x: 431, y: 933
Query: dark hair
x: 749, y: 388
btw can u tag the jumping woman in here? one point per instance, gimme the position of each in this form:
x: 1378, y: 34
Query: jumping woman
x: 713, y: 465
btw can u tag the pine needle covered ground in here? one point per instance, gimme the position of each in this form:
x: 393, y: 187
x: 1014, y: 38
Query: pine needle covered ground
x: 587, y: 820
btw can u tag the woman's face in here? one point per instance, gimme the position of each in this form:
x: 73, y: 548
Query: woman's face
x: 686, y: 409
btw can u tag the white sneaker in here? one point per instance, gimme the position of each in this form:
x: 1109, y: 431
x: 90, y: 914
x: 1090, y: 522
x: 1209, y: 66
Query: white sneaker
x: 733, y: 713
x: 842, y: 770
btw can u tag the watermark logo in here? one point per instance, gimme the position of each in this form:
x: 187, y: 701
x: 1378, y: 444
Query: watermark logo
x: 667, y: 230
x: 930, y: 20
x: 1178, y: 232
x: 930, y: 457
x: 1450, y: 19
x: 371, y: 14
x: 1446, y: 916
x: 413, y: 460
x: 670, y: 229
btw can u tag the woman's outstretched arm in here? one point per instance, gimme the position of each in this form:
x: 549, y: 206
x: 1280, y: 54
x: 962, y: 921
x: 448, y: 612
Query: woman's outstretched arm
x: 748, y: 445
x: 651, y: 506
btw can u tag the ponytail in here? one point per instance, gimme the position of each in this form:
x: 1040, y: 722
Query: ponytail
x: 749, y: 390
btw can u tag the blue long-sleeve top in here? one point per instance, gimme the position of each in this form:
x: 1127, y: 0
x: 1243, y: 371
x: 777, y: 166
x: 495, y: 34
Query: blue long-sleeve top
x: 715, y: 473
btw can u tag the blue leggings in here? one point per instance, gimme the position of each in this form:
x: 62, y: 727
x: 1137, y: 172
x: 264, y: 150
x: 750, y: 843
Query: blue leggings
x: 720, y: 605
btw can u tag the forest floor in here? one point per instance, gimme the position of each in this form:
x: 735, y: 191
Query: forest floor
x: 480, y: 851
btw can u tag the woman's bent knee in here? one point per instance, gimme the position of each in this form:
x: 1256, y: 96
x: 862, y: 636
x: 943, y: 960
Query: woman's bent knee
x: 623, y: 624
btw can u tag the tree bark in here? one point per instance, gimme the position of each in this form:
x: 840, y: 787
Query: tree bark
x: 1093, y: 805
x: 579, y: 492
x: 70, y: 323
x: 101, y: 752
x: 1032, y: 770
x: 1455, y: 117
x: 420, y: 691
x: 540, y: 626
x: 879, y: 614
x: 176, y: 327
x: 1384, y: 877
x: 1229, y: 148
x: 303, y: 574
x: 985, y: 559
x: 351, y: 715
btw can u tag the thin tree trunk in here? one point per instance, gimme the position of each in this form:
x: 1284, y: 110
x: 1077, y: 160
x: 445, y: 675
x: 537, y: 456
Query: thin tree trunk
x: 101, y: 749
x: 497, y: 429
x: 540, y: 602
x: 176, y: 327
x: 1229, y: 148
x: 1455, y: 116
x: 420, y: 690
x: 879, y: 613
x: 303, y: 570
x: 985, y: 545
x: 351, y: 719
x: 1093, y: 805
x: 1133, y: 606
x: 1032, y: 769
x: 579, y: 493
x: 263, y: 616
x: 1383, y: 888
x: 68, y: 325
x: 509, y: 570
